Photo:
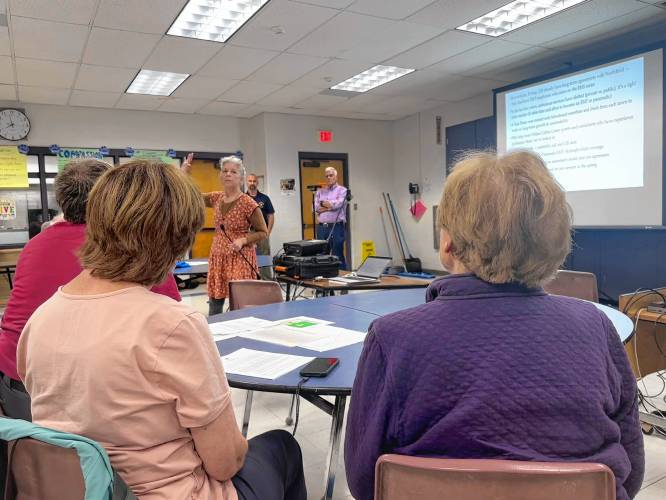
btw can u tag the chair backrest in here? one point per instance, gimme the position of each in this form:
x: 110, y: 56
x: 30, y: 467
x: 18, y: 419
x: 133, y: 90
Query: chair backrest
x: 574, y: 284
x: 399, y: 477
x: 250, y: 293
x: 41, y: 471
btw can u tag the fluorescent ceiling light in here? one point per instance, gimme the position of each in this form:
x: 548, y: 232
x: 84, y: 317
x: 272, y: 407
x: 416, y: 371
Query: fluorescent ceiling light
x: 156, y: 82
x: 214, y: 20
x: 371, y: 78
x: 515, y: 15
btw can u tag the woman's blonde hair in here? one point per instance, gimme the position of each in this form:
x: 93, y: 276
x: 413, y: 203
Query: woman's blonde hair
x: 141, y: 217
x: 507, y: 217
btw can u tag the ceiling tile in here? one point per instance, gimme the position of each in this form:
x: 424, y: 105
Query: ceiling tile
x: 286, y: 68
x: 142, y: 102
x: 176, y: 105
x: 334, y: 4
x: 7, y: 92
x: 456, y: 88
x: 236, y: 63
x: 122, y: 49
x: 104, y: 78
x: 94, y: 99
x: 449, y: 14
x: 181, y: 55
x: 71, y: 11
x: 321, y: 101
x: 48, y: 73
x: 6, y: 70
x: 288, y: 96
x: 571, y: 20
x: 359, y: 102
x: 473, y: 58
x: 249, y: 112
x: 441, y: 47
x: 331, y: 73
x: 203, y: 87
x: 296, y: 19
x: 249, y: 92
x: 393, y: 9
x: 145, y: 16
x: 363, y: 38
x: 5, y: 49
x: 614, y: 27
x: 43, y: 95
x: 528, y: 64
x: 398, y: 105
x: 222, y: 108
x: 48, y: 40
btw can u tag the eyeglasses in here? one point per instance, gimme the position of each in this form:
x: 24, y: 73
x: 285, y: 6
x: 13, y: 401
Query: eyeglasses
x: 330, y: 175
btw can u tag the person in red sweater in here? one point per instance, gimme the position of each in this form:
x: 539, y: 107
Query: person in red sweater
x: 47, y: 262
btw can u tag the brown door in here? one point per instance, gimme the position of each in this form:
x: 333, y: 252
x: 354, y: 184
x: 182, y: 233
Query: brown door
x: 206, y: 176
x: 312, y: 174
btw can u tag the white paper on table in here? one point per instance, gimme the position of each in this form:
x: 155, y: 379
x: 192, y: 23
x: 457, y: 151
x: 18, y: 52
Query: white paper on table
x: 196, y: 262
x: 316, y: 338
x: 231, y: 328
x: 329, y: 337
x: 281, y: 335
x: 260, y: 364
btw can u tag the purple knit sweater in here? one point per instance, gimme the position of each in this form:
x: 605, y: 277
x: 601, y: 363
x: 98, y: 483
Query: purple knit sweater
x: 494, y: 371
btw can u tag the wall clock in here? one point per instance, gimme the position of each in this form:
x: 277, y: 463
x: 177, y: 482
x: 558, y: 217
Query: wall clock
x: 14, y: 124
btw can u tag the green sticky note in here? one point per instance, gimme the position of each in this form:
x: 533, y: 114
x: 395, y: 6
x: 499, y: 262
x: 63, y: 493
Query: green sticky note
x: 301, y: 324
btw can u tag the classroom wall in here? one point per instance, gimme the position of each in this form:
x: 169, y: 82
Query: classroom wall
x: 418, y: 158
x: 270, y: 144
x: 369, y: 145
x: 114, y: 128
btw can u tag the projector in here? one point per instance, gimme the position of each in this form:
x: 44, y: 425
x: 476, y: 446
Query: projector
x: 305, y: 248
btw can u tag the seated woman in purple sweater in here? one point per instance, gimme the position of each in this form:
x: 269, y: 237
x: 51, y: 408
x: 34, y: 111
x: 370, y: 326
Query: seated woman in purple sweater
x: 492, y: 366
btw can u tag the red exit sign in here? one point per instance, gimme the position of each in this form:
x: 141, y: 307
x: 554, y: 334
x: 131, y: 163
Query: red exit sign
x: 325, y: 136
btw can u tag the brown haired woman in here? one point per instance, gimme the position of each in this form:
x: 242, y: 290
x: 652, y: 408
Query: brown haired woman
x: 233, y: 254
x: 138, y: 372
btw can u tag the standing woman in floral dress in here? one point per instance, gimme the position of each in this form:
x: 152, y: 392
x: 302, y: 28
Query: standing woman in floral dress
x: 235, y: 214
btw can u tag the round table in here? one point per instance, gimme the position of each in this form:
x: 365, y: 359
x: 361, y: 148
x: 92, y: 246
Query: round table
x: 353, y: 311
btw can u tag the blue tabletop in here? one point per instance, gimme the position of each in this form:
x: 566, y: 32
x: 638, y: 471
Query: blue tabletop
x: 262, y: 261
x: 339, y: 381
x: 354, y: 311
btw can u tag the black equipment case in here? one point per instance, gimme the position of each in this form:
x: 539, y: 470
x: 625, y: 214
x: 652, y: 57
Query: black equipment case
x: 306, y: 268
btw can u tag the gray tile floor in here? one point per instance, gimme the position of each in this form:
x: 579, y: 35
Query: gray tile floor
x: 270, y: 410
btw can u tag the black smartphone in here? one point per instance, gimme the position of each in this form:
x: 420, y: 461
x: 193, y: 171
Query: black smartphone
x: 319, y: 367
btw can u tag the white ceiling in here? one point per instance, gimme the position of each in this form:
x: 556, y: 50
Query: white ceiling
x: 86, y: 52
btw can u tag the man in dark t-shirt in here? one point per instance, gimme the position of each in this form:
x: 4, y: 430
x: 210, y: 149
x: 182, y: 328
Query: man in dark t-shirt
x: 266, y: 207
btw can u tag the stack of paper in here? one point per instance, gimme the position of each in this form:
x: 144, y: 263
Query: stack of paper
x: 227, y: 329
x: 260, y: 364
x: 320, y: 337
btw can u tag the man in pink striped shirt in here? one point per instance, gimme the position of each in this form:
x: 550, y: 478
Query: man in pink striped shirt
x: 331, y: 214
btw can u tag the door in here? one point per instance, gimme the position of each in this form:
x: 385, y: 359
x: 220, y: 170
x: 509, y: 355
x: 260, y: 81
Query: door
x: 312, y: 174
x: 311, y: 168
x: 206, y: 175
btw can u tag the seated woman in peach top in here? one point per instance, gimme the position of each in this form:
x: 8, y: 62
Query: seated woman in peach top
x: 139, y: 372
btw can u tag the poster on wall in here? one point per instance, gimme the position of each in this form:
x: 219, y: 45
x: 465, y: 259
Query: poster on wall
x: 288, y: 187
x: 13, y: 168
x: 7, y: 209
x: 65, y: 155
x: 156, y: 155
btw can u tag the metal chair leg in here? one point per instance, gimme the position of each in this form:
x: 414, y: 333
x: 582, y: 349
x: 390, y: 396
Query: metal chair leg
x: 246, y: 413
